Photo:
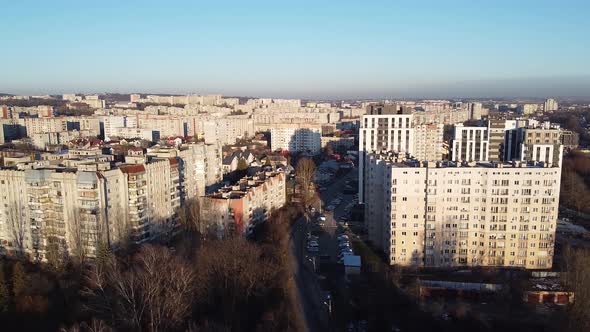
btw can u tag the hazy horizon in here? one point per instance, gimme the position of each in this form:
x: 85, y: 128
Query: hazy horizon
x: 376, y: 49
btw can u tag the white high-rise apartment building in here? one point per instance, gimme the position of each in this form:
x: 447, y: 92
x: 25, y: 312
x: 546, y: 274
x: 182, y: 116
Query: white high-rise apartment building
x: 296, y: 138
x: 462, y: 214
x: 470, y: 144
x: 379, y: 132
x: 550, y: 105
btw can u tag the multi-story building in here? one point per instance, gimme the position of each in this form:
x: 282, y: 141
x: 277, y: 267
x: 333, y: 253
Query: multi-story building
x: 9, y: 130
x: 550, y: 105
x: 241, y: 207
x: 444, y: 116
x: 42, y: 140
x: 228, y: 130
x: 61, y: 124
x: 379, y: 132
x: 74, y: 204
x: 540, y: 144
x: 528, y: 109
x: 296, y: 138
x: 428, y: 142
x: 470, y: 144
x: 475, y: 110
x: 497, y: 136
x: 570, y: 139
x: 451, y: 214
x: 200, y: 166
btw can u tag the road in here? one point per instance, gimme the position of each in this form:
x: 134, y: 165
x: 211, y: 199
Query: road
x: 308, y: 292
x: 309, y: 295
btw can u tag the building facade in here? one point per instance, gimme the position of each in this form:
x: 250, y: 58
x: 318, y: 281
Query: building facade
x: 296, y: 138
x: 462, y: 214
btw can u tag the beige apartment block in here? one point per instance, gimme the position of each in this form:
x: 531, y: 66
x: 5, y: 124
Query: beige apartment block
x: 449, y: 214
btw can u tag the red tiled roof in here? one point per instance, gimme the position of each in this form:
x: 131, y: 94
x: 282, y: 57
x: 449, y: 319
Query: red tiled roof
x: 133, y: 169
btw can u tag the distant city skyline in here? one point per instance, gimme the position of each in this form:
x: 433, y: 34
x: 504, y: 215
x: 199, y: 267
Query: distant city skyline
x: 359, y: 50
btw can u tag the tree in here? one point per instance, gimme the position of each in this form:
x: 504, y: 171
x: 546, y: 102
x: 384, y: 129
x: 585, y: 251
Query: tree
x: 4, y: 293
x: 577, y: 279
x: 54, y: 254
x: 153, y: 292
x: 233, y: 281
x: 575, y: 191
x: 305, y: 174
x: 77, y: 234
x: 17, y: 224
x: 189, y: 216
x: 20, y: 280
x: 242, y: 164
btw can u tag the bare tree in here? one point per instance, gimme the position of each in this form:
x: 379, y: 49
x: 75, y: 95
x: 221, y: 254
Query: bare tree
x: 231, y: 273
x: 305, y: 174
x: 77, y: 233
x: 577, y: 279
x: 189, y: 216
x: 94, y: 325
x: 575, y: 191
x: 153, y: 291
x: 18, y: 227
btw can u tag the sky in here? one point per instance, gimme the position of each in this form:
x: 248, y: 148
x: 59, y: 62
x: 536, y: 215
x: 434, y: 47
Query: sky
x: 305, y: 49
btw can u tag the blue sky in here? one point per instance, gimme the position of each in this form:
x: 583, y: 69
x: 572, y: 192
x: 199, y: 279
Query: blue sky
x: 297, y: 48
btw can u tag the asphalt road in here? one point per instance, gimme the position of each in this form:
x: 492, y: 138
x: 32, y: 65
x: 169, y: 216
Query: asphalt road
x: 307, y: 286
x: 308, y: 292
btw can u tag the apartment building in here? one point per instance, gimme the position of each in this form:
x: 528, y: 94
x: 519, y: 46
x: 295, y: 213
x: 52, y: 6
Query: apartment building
x: 550, y: 105
x: 61, y: 124
x: 470, y: 144
x: 9, y: 130
x: 475, y: 110
x: 528, y: 109
x: 72, y: 204
x: 43, y: 140
x: 265, y: 119
x: 451, y: 214
x: 50, y: 207
x: 444, y: 116
x: 15, y: 112
x: 540, y: 144
x: 428, y: 142
x: 570, y: 139
x: 379, y: 132
x: 200, y: 166
x: 239, y: 208
x: 228, y: 130
x: 296, y: 138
